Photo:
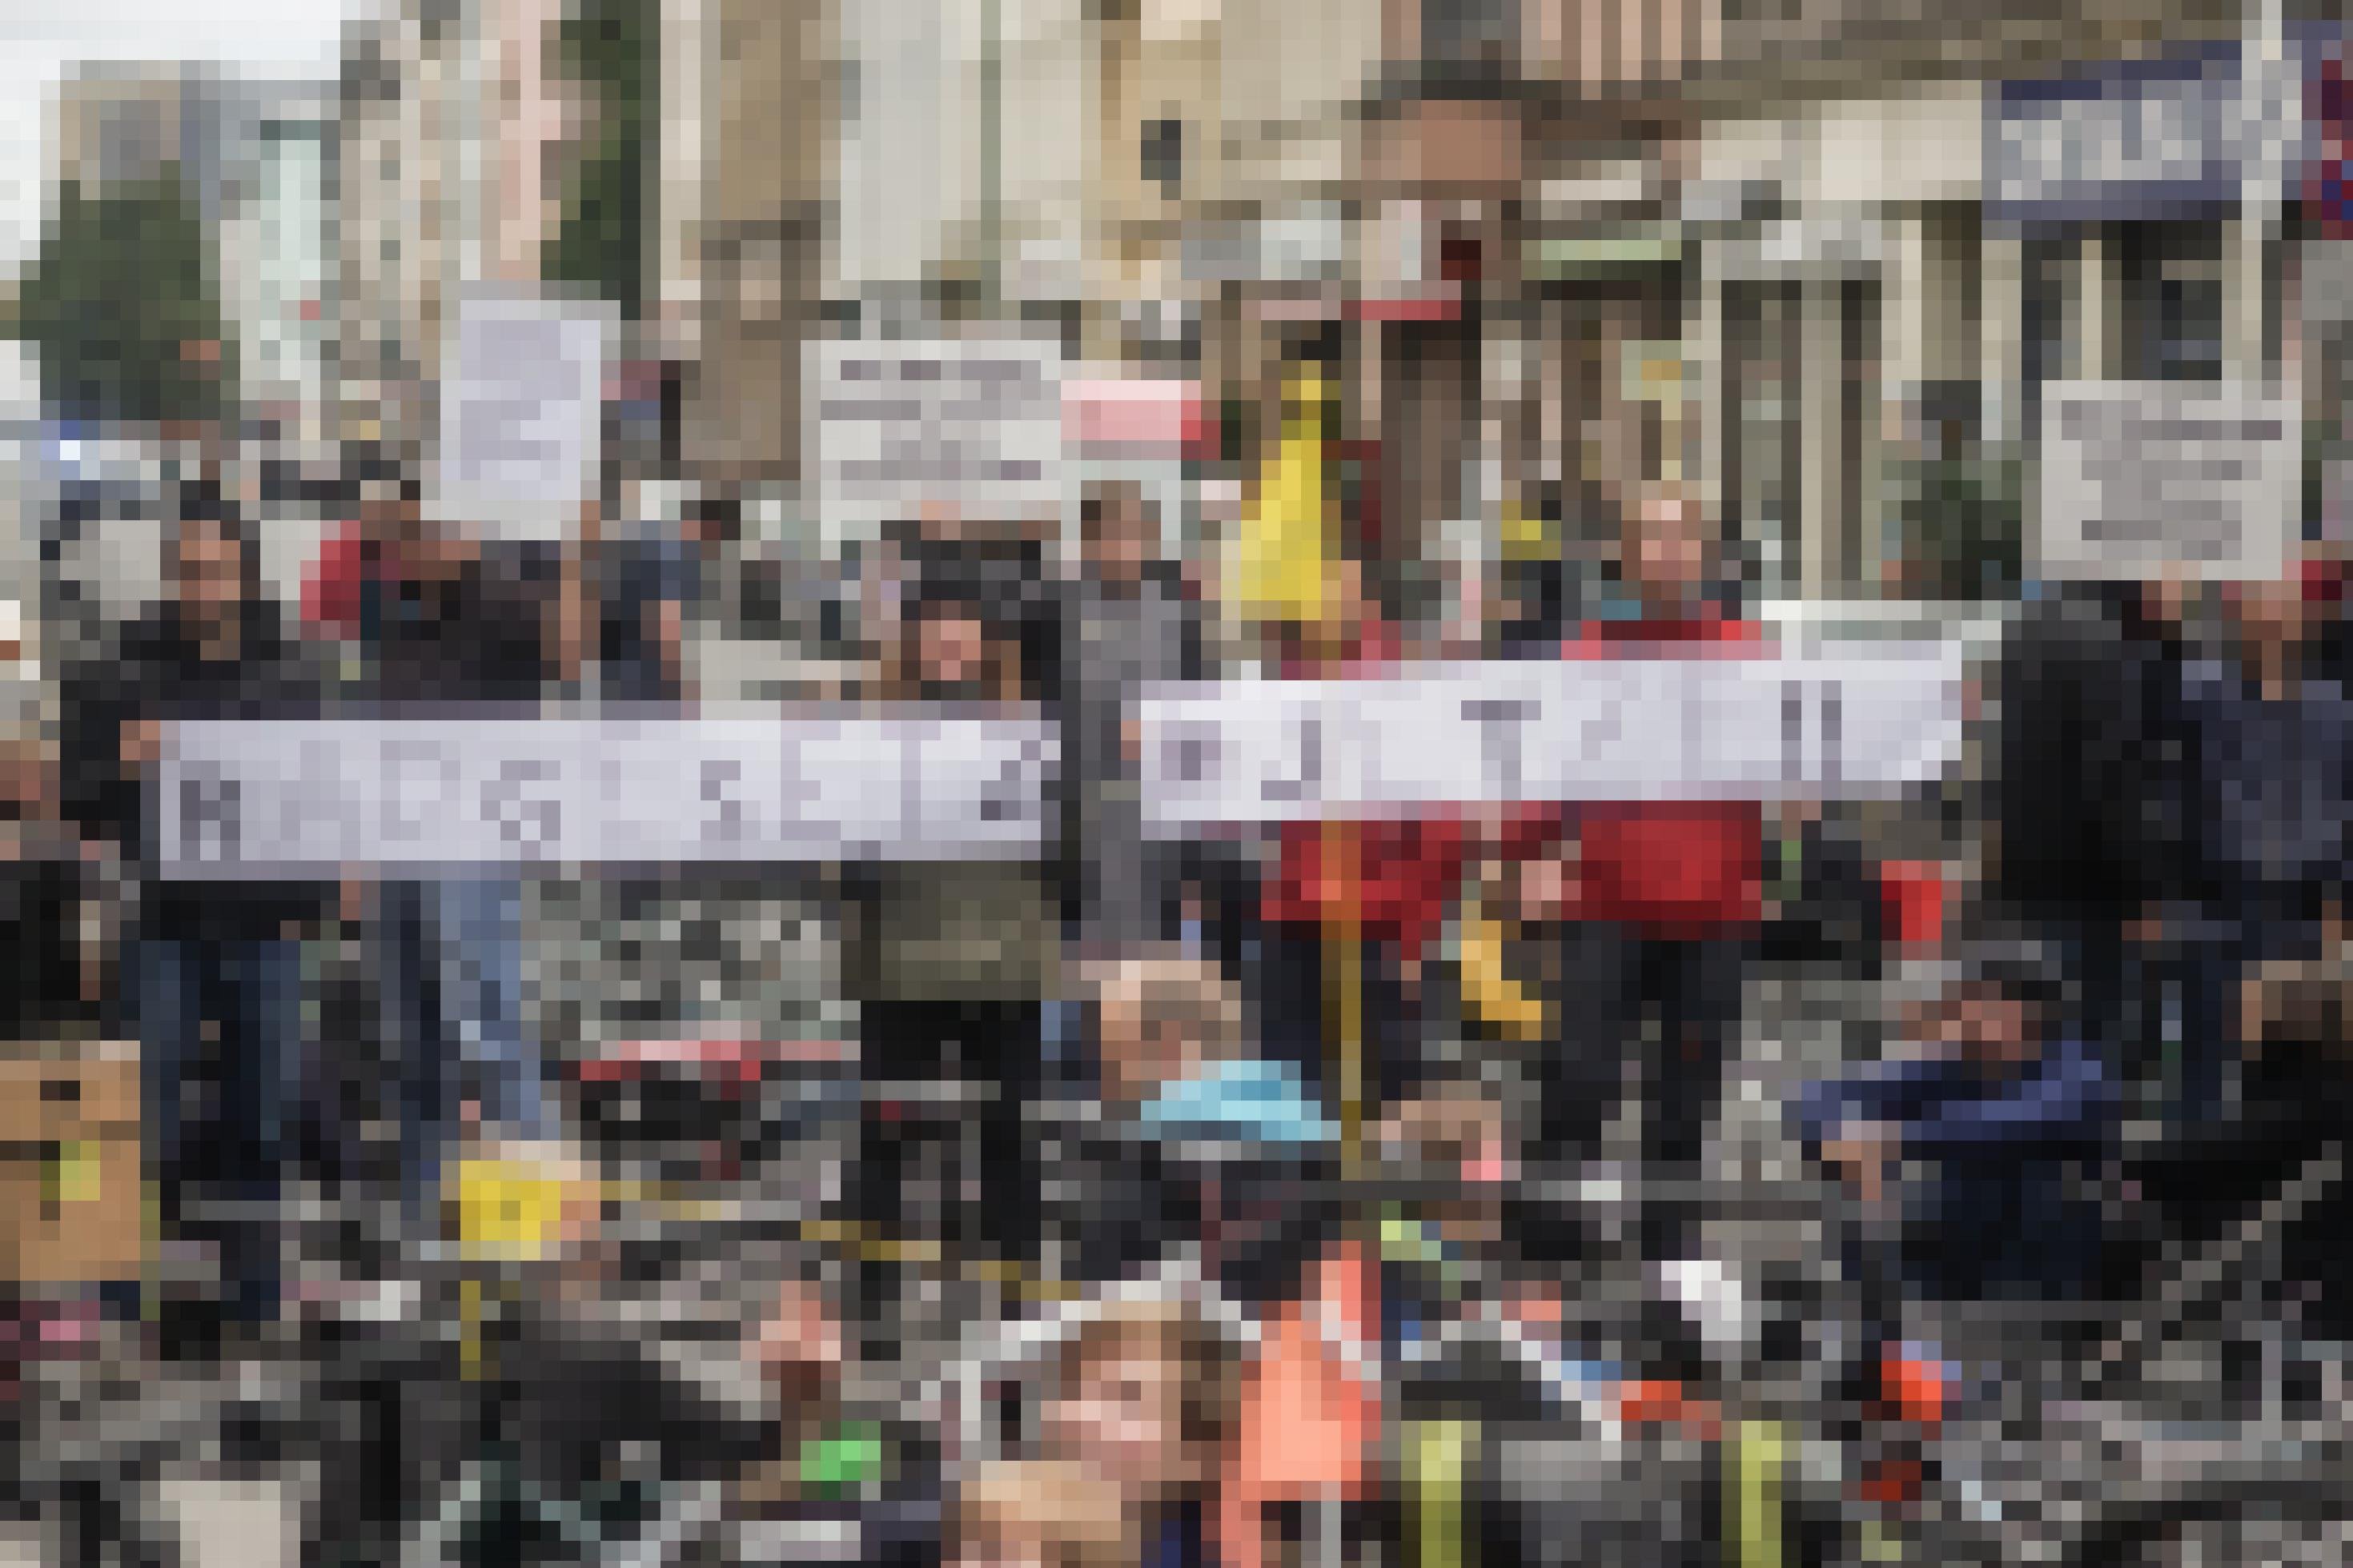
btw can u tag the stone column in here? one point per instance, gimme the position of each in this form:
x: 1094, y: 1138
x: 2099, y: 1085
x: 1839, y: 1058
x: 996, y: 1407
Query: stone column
x: 1705, y: 432
x: 1907, y: 281
x: 2001, y: 328
x: 1820, y: 499
x: 2097, y: 355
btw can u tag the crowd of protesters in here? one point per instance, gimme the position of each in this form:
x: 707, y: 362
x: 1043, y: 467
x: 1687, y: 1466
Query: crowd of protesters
x: 1131, y: 1055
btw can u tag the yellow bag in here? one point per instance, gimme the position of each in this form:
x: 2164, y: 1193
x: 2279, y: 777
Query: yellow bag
x: 517, y: 1206
x: 1491, y: 996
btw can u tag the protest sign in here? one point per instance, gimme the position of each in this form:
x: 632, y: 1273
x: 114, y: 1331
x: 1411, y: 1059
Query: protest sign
x: 2145, y: 478
x: 521, y: 404
x: 900, y: 427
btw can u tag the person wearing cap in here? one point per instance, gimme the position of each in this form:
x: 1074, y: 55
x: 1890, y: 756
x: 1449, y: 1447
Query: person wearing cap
x: 224, y: 953
x: 2003, y: 1106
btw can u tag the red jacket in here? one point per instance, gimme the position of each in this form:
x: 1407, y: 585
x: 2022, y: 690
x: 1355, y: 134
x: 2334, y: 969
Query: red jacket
x: 331, y: 589
x: 1674, y: 868
x: 1396, y: 876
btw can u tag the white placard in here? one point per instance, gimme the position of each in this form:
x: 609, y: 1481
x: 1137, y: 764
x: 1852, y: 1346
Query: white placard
x: 263, y: 798
x: 2144, y: 478
x: 522, y: 398
x: 1685, y: 729
x: 900, y: 426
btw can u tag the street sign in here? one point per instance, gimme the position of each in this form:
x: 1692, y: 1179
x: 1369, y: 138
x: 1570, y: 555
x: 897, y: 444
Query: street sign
x: 2132, y: 139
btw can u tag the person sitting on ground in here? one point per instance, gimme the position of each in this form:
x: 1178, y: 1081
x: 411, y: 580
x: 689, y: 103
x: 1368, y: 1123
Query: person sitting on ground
x: 1188, y: 1115
x: 2006, y: 1108
x: 1140, y: 1398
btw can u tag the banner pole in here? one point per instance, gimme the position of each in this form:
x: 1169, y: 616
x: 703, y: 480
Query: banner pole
x: 1344, y: 984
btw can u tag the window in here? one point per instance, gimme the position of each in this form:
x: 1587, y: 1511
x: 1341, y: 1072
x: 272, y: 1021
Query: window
x: 1163, y: 154
x: 1469, y: 32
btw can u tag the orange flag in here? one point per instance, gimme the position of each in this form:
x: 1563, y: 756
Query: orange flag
x: 1311, y: 1409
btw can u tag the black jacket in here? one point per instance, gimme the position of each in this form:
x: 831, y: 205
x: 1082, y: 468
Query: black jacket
x: 2091, y: 791
x: 156, y: 673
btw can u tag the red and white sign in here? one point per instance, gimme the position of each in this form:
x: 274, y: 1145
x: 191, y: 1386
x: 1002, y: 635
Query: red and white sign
x: 1110, y: 414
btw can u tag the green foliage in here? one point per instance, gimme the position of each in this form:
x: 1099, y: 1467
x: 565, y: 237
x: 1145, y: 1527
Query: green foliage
x: 1964, y: 524
x: 610, y: 48
x: 122, y: 302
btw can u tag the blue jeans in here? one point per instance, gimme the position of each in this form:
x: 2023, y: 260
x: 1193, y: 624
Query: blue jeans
x: 453, y: 988
x: 251, y: 990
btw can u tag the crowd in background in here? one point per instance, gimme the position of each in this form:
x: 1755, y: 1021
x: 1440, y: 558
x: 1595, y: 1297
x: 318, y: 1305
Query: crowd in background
x: 1321, y: 1072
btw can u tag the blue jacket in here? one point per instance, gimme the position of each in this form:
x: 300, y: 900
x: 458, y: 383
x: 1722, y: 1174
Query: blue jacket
x: 1944, y: 1108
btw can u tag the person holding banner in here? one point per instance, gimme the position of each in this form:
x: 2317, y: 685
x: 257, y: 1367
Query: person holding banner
x: 950, y: 961
x: 228, y: 956
x: 1665, y: 895
x: 451, y: 619
x: 1353, y: 906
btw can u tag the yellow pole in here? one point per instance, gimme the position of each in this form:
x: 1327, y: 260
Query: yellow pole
x: 1757, y: 1492
x: 1343, y: 987
x: 1437, y: 1448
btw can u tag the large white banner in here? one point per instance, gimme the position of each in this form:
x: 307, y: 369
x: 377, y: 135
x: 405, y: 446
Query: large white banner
x: 259, y: 798
x: 521, y: 400
x: 1843, y: 723
x: 2146, y: 478
x: 256, y: 798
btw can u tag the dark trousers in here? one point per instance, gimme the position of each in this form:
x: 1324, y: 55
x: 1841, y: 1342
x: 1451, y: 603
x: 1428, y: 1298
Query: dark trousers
x: 1676, y: 1006
x: 250, y: 991
x: 424, y: 1064
x: 978, y: 1148
x: 1299, y: 1016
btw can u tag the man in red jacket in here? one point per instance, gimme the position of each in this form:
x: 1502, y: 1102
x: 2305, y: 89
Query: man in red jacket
x: 1665, y: 895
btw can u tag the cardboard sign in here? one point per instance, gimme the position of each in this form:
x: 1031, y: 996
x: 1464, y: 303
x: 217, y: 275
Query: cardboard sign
x: 262, y: 799
x: 2144, y: 478
x: 901, y: 427
x: 522, y: 401
x: 1682, y: 729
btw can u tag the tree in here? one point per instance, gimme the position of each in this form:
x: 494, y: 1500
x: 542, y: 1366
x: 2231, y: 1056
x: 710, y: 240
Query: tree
x: 609, y: 48
x: 124, y: 303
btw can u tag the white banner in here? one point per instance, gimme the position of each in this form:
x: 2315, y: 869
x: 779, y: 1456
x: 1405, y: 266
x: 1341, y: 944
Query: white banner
x: 899, y: 427
x: 521, y: 398
x: 259, y: 798
x: 2140, y: 477
x: 1687, y: 728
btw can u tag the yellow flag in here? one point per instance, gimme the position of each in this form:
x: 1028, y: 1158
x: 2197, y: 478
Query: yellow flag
x: 1286, y: 536
x: 1286, y: 542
